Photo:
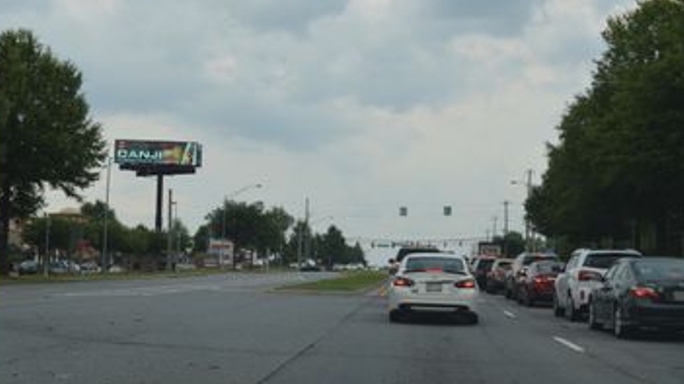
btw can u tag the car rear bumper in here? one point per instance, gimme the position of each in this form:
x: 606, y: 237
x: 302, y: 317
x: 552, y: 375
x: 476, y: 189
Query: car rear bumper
x: 669, y: 316
x: 425, y: 303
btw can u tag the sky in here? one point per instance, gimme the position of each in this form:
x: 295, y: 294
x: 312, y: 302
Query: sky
x: 361, y: 106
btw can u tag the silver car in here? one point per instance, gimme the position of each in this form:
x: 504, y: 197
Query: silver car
x: 433, y: 283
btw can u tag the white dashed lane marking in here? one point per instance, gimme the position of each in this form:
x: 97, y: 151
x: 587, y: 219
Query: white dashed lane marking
x: 509, y: 314
x: 569, y: 344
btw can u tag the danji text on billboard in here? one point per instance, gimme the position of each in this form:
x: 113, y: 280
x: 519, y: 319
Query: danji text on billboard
x: 161, y: 153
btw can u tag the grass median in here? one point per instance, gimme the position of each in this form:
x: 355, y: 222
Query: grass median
x: 348, y: 282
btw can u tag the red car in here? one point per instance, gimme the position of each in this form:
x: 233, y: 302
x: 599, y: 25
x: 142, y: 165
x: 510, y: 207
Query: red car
x: 538, y: 282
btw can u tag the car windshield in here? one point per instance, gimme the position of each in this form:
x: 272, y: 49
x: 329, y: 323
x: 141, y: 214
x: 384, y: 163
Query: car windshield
x: 504, y: 266
x: 549, y: 267
x: 659, y: 270
x: 485, y: 264
x: 441, y: 264
x: 531, y: 259
x: 604, y: 260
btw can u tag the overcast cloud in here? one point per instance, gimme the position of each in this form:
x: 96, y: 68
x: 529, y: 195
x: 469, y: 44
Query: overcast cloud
x: 361, y: 105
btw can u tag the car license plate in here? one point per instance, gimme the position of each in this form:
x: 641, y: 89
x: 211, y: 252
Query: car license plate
x: 433, y: 287
x: 678, y: 295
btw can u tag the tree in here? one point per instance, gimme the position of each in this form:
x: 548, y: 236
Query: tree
x: 512, y: 243
x: 44, y: 118
x: 248, y: 226
x: 618, y: 166
x: 334, y: 248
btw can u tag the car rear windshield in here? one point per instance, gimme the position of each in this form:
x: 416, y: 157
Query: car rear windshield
x: 444, y: 264
x: 604, y: 260
x: 403, y: 252
x: 485, y: 264
x: 549, y: 267
x: 659, y: 270
x: 531, y: 259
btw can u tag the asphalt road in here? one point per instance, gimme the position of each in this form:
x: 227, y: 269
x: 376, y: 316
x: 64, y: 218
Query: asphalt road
x: 232, y: 329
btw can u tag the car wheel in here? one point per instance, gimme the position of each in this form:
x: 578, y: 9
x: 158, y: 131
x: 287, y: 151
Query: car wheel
x: 395, y: 316
x: 473, y: 319
x: 558, y: 311
x: 570, y: 311
x: 593, y: 322
x: 620, y: 330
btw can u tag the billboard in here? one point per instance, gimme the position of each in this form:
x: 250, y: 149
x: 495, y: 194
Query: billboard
x: 489, y: 249
x: 158, y: 153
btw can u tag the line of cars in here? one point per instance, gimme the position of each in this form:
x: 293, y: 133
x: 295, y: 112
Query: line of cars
x: 621, y: 290
x: 60, y: 267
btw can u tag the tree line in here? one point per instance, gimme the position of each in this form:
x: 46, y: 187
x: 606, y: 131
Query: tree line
x: 616, y: 176
x: 79, y: 236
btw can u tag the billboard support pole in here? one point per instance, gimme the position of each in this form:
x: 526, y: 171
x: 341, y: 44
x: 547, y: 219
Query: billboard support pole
x: 160, y: 201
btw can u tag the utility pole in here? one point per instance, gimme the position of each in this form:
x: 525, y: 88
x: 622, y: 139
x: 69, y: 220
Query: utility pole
x: 528, y: 245
x: 300, y: 238
x: 505, y: 231
x: 505, y: 217
x: 169, y: 241
x: 104, y: 260
x: 46, y: 259
x: 307, y: 243
x: 495, y: 219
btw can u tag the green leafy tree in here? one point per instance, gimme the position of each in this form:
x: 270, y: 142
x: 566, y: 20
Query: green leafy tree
x: 249, y: 226
x: 512, y: 244
x: 44, y: 118
x: 618, y: 165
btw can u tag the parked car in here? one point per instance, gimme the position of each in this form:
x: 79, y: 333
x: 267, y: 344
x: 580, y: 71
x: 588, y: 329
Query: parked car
x: 496, y: 276
x: 514, y: 278
x: 90, y: 267
x: 434, y: 283
x: 59, y: 267
x: 583, y: 272
x: 480, y: 267
x: 538, y: 281
x: 639, y: 292
x: 28, y: 267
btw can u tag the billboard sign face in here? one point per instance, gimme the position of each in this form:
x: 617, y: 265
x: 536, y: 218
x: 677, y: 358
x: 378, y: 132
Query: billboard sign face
x: 158, y: 153
x: 489, y: 249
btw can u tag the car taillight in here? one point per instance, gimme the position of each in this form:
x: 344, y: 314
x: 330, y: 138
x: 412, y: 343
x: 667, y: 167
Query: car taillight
x: 643, y: 293
x: 402, y: 282
x: 465, y: 284
x: 588, y: 276
x: 543, y: 279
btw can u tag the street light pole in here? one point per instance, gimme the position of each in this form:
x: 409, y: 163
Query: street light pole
x: 104, y: 259
x: 528, y: 187
x: 223, y: 218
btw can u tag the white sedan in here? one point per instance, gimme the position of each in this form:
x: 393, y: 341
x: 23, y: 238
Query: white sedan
x: 433, y: 283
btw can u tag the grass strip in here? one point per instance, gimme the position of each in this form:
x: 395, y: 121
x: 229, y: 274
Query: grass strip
x: 348, y: 282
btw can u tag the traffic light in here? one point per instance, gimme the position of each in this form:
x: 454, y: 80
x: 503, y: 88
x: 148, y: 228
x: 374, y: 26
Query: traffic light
x: 447, y: 210
x: 403, y: 211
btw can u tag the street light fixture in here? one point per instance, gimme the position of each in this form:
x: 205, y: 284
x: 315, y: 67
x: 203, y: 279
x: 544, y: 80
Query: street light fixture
x: 223, y: 218
x: 528, y: 186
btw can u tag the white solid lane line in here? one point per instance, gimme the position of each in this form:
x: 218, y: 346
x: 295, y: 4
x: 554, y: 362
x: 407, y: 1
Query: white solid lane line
x: 509, y: 314
x: 569, y: 344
